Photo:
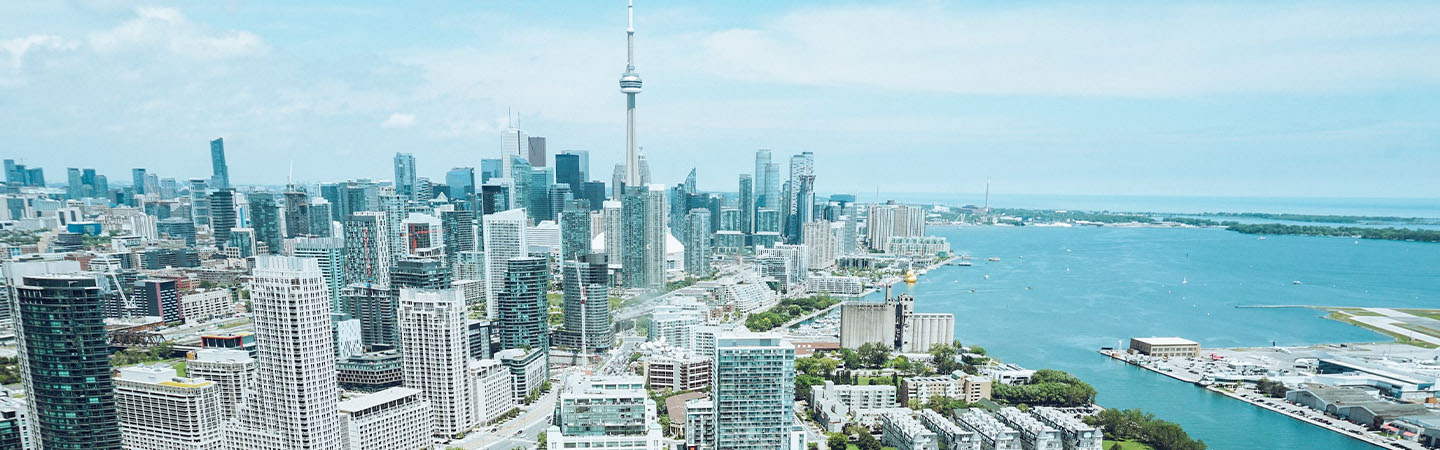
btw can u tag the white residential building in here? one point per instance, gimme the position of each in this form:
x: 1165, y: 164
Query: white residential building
x: 437, y: 349
x: 903, y: 432
x: 397, y: 418
x: 849, y: 286
x: 952, y: 436
x: 294, y: 401
x: 232, y: 371
x: 994, y: 435
x: 1034, y: 434
x: 675, y: 328
x: 159, y: 410
x: 820, y: 244
x: 677, y: 370
x: 206, y: 305
x: 504, y: 237
x: 544, y: 237
x: 611, y: 412
x: 1077, y: 435
x: 492, y: 389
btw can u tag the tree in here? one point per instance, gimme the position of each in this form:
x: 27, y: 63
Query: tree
x: 836, y: 442
x: 873, y: 355
x: 541, y: 439
x: 943, y: 356
x: 1116, y: 446
x: 850, y: 358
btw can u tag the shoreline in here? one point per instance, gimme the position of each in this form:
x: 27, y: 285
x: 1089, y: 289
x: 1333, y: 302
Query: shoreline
x: 1366, y: 437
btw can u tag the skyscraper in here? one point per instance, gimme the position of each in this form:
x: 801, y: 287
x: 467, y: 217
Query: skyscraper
x: 567, y: 171
x: 537, y: 151
x: 523, y: 310
x: 221, y: 177
x: 513, y: 144
x: 137, y: 180
x: 656, y: 236
x: 632, y: 237
x: 614, y: 219
x: 395, y: 214
x: 294, y: 403
x: 436, y: 355
x: 491, y: 168
x: 297, y: 213
x: 697, y: 243
x: 504, y: 236
x: 754, y: 392
x: 159, y: 298
x: 222, y: 215
x: 574, y: 231
x: 630, y: 86
x: 747, y: 204
x: 265, y: 220
x: 329, y: 254
x: 65, y: 362
x: 587, y: 305
x: 537, y: 201
x: 405, y: 176
x: 458, y: 228
x: 460, y: 182
x: 367, y: 255
x: 420, y: 273
x: 374, y: 306
x: 762, y: 183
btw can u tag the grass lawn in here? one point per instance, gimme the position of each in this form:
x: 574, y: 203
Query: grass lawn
x: 1427, y: 313
x: 1403, y: 339
x: 1127, y: 445
x: 880, y: 381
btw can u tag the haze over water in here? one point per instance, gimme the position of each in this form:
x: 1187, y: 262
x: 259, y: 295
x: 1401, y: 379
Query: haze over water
x: 1054, y: 308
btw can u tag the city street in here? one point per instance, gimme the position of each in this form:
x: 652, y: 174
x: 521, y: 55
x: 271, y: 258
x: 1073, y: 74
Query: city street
x: 519, y: 432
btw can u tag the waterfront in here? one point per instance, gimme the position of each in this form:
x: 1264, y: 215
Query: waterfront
x: 1079, y: 289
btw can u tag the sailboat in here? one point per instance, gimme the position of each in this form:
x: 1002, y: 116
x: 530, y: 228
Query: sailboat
x: 1184, y: 280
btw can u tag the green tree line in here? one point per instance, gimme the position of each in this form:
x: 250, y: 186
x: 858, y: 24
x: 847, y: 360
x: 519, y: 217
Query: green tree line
x: 1137, y: 425
x: 1047, y: 387
x: 1393, y: 234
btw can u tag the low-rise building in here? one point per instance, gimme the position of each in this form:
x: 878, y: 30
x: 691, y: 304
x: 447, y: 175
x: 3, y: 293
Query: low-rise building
x: 971, y: 389
x: 1358, y: 405
x: 1034, y: 434
x: 901, y: 431
x: 528, y: 371
x: 396, y: 418
x: 849, y: 286
x: 15, y: 425
x: 1166, y: 347
x: 951, y: 436
x: 493, y: 390
x: 206, y: 305
x: 612, y: 412
x: 370, y: 372
x: 993, y: 434
x: 677, y: 371
x: 835, y: 404
x: 1076, y: 434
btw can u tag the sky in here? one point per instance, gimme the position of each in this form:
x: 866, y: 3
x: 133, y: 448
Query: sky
x: 1267, y: 99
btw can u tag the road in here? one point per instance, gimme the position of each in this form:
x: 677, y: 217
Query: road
x: 529, y: 424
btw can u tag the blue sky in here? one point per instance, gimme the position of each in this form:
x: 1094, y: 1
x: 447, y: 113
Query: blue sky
x: 1172, y: 98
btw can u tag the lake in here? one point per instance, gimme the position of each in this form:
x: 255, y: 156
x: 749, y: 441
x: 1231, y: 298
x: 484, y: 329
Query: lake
x: 1059, y: 294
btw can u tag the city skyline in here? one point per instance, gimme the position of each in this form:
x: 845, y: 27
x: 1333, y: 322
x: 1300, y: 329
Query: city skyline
x: 1312, y: 99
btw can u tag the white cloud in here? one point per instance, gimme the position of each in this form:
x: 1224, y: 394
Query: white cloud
x: 399, y: 120
x: 13, y: 51
x: 1112, y: 50
x: 167, y: 30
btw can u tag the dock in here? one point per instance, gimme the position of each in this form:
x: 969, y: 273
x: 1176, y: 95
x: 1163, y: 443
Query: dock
x: 1277, y: 405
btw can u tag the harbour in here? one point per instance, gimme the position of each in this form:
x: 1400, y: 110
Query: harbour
x: 1054, y: 307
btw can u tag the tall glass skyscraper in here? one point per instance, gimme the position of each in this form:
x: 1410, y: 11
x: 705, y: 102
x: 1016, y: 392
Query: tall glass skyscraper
x: 460, y: 182
x: 522, y: 309
x: 221, y: 179
x: 66, y: 357
x: 222, y: 214
x: 567, y: 170
x: 574, y: 230
x: 587, y: 313
x: 265, y: 220
x: 405, y: 176
x: 754, y: 392
x: 747, y: 204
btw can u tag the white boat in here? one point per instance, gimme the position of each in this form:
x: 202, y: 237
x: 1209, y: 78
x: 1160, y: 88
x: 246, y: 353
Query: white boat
x: 987, y: 276
x: 1184, y: 280
x: 1295, y: 282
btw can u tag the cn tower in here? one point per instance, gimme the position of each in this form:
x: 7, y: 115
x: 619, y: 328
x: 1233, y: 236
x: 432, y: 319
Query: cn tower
x: 630, y: 85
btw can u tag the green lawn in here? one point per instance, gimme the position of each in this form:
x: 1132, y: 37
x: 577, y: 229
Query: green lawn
x: 1428, y: 313
x: 866, y: 380
x: 1126, y: 445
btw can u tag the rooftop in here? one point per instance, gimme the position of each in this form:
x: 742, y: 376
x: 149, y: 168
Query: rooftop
x: 1166, y: 341
x: 376, y: 399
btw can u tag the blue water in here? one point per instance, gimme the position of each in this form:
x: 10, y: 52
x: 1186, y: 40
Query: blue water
x: 1055, y: 308
x: 1353, y: 206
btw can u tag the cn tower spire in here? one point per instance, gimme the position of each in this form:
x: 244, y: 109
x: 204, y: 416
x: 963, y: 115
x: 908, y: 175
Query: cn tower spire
x: 630, y: 85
